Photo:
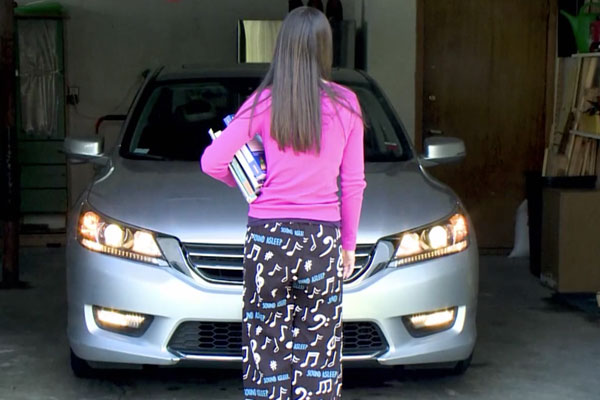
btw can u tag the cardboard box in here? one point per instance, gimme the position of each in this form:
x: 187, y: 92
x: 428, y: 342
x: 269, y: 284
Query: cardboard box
x: 570, y: 260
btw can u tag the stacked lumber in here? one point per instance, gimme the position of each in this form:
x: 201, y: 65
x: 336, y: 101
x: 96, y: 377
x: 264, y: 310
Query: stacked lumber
x: 573, y: 148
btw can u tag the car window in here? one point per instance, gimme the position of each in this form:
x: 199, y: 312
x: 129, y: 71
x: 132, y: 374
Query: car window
x: 382, y: 140
x: 173, y: 120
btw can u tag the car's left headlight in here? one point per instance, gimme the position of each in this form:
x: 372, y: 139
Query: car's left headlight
x: 448, y: 236
x: 104, y: 235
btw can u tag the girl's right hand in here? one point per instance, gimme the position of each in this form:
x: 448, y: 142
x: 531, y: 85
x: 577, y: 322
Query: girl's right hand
x: 348, y: 260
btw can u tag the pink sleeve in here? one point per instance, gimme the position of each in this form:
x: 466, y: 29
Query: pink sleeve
x: 216, y: 157
x: 352, y: 181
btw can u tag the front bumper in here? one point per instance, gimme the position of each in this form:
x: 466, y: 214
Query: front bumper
x: 173, y: 298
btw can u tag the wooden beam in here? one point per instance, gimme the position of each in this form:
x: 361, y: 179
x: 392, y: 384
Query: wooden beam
x: 551, y: 54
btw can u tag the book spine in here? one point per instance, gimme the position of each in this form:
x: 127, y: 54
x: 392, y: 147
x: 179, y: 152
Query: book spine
x: 238, y: 174
x: 227, y: 120
x: 253, y: 164
x: 249, y: 157
x: 248, y: 169
x: 247, y: 161
x: 242, y: 181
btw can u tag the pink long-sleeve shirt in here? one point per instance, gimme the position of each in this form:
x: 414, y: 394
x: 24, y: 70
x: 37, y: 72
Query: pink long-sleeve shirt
x: 301, y: 185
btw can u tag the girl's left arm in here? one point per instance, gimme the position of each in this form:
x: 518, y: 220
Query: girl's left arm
x: 216, y: 158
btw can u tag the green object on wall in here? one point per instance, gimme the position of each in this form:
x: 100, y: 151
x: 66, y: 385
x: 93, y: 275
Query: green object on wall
x: 580, y: 24
x: 47, y: 9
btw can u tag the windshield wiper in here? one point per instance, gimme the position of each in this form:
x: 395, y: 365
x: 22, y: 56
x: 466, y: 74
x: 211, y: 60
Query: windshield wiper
x: 138, y: 156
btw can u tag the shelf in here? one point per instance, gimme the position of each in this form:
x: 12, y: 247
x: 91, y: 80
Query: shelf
x: 586, y: 134
x: 583, y: 55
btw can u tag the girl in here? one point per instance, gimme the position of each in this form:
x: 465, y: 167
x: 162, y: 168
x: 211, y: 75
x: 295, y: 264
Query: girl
x: 300, y: 237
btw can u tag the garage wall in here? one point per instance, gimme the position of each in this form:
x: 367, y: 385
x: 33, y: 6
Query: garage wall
x: 110, y: 42
x: 391, y: 51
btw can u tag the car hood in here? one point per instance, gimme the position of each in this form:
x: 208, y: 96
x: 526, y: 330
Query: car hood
x: 177, y: 199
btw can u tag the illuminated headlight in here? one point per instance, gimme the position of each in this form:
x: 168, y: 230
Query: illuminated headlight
x: 124, y: 322
x: 445, y: 237
x: 103, y: 235
x: 423, y: 324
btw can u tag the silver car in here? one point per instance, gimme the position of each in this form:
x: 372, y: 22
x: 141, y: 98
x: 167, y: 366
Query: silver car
x: 154, y: 253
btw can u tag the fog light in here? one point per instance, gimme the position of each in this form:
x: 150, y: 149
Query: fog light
x: 428, y: 323
x: 125, y: 322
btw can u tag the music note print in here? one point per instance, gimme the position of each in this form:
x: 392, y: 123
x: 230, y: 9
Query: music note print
x: 320, y: 231
x: 316, y: 307
x: 304, y: 316
x: 253, y: 299
x: 302, y: 392
x: 278, y: 315
x: 290, y: 313
x: 297, y: 246
x: 339, y: 284
x: 255, y: 355
x: 314, y: 293
x: 296, y: 375
x: 285, y: 277
x: 282, y: 392
x: 331, y: 260
x: 337, y: 312
x: 328, y: 241
x: 330, y: 282
x: 295, y: 270
x: 314, y: 244
x: 267, y: 341
x: 317, y: 339
x: 321, y: 320
x: 275, y: 269
x: 325, y: 386
x: 311, y: 355
x: 282, y: 330
x: 251, y: 255
x: 331, y: 344
x: 245, y: 353
x: 332, y: 363
x: 259, y: 280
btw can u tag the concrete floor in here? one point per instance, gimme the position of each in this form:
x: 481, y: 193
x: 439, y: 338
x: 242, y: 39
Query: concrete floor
x: 530, y: 347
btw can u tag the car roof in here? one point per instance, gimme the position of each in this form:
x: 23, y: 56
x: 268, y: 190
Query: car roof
x: 186, y: 72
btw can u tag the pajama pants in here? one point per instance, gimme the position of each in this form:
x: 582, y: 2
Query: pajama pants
x: 292, y: 328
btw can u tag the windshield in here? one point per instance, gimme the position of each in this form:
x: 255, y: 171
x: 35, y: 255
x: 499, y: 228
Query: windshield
x: 172, y: 120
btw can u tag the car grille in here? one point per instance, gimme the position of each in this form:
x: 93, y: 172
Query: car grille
x: 223, y: 263
x: 225, y: 339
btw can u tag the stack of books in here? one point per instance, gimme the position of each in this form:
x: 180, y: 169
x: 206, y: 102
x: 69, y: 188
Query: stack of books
x: 248, y: 167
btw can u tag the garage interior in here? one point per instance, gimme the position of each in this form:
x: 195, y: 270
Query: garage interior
x: 515, y: 80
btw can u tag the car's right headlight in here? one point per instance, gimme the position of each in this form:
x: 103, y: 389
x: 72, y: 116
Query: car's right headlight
x: 448, y: 236
x: 104, y: 235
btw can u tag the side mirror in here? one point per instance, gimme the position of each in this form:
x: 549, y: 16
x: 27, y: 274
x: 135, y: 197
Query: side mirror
x: 91, y: 149
x: 443, y: 150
